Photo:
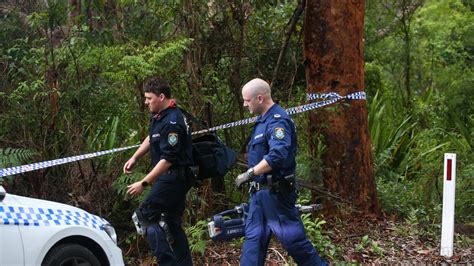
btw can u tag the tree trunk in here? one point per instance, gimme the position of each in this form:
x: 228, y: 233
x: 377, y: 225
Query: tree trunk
x: 333, y: 53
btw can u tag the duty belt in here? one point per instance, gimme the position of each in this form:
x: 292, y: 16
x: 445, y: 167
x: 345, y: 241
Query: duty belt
x: 283, y: 185
x: 256, y: 186
x: 182, y: 172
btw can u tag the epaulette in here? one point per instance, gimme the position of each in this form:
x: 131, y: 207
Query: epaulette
x: 173, y: 118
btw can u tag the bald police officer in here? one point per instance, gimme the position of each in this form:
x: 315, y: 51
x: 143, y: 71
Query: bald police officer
x: 169, y: 144
x: 272, y: 165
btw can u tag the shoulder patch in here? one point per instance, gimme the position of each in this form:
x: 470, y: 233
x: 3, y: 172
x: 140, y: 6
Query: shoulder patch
x: 173, y: 138
x: 279, y: 133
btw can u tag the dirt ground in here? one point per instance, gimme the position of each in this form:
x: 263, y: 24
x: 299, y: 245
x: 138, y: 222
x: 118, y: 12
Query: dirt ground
x: 387, y: 242
x: 360, y: 240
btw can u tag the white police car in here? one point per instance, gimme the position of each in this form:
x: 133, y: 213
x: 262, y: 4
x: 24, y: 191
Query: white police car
x: 40, y: 232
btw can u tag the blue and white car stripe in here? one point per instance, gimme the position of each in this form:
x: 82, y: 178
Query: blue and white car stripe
x: 31, y: 216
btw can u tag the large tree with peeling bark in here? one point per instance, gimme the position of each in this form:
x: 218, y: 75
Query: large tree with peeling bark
x: 333, y: 53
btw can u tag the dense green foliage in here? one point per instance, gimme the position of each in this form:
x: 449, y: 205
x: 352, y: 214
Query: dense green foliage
x: 410, y: 135
x: 70, y: 83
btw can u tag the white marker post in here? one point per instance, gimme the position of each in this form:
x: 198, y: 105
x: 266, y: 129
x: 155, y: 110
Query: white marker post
x: 449, y: 188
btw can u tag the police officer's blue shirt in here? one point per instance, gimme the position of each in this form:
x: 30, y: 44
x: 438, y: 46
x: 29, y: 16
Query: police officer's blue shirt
x: 170, y: 137
x: 273, y: 139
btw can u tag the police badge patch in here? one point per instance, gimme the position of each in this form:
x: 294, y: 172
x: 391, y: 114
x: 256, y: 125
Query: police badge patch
x: 173, y: 139
x: 279, y: 132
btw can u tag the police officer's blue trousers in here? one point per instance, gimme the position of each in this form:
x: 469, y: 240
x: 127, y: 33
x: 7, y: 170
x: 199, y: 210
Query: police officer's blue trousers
x: 269, y: 213
x: 179, y: 254
x: 168, y: 196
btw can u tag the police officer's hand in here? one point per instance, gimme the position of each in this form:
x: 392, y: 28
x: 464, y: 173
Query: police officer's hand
x: 135, y: 189
x: 127, y: 167
x: 243, y: 178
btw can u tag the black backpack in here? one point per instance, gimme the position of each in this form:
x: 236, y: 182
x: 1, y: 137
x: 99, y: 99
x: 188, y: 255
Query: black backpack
x: 212, y: 156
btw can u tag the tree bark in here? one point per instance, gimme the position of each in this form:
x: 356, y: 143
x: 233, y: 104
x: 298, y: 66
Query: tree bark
x: 333, y: 53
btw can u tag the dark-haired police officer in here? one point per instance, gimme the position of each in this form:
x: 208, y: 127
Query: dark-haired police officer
x: 271, y: 161
x: 169, y: 144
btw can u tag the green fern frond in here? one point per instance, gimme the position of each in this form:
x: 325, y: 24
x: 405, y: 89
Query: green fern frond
x: 13, y: 157
x: 120, y: 185
x: 197, y: 237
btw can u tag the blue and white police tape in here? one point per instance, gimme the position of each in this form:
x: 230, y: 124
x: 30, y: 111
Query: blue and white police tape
x: 31, y: 216
x: 332, y: 98
x: 36, y: 166
x: 332, y: 95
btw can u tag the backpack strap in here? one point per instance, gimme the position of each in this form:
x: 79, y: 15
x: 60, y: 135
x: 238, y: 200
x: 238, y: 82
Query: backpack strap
x: 194, y: 119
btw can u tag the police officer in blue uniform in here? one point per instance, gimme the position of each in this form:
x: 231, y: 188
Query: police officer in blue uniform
x: 271, y: 161
x: 169, y: 144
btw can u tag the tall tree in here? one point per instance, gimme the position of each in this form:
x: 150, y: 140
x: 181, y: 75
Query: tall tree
x: 333, y: 53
